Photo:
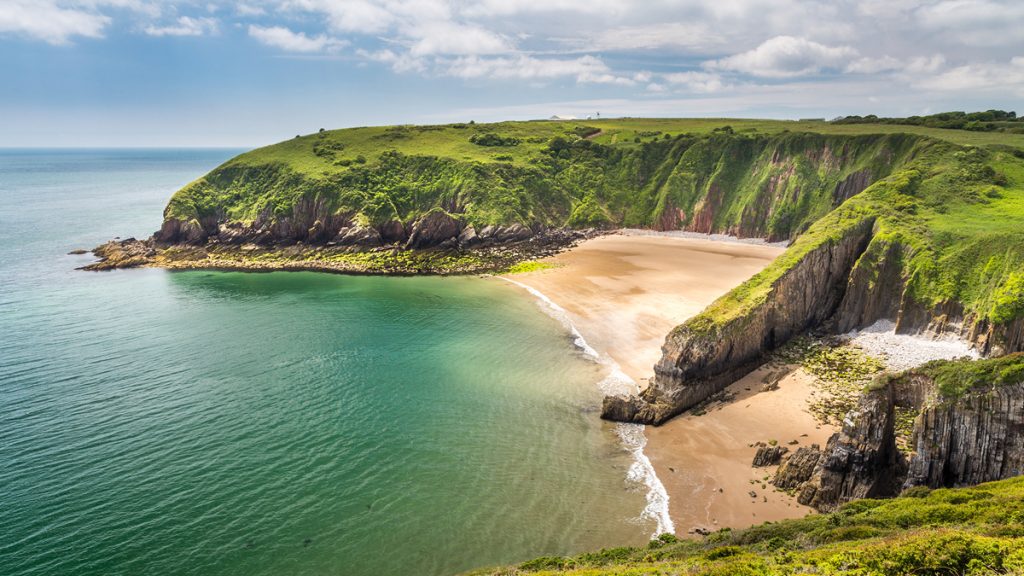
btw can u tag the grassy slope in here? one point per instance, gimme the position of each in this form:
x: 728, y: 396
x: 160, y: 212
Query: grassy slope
x: 973, y: 531
x: 955, y: 202
x: 958, y: 212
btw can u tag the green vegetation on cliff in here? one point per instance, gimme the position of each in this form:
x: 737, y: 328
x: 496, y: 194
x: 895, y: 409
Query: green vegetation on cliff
x: 946, y: 206
x: 970, y: 531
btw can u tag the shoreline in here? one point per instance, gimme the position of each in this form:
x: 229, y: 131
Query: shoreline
x: 630, y: 435
x: 622, y: 294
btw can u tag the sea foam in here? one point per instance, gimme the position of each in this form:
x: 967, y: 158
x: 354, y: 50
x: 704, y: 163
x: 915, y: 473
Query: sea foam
x: 641, y: 471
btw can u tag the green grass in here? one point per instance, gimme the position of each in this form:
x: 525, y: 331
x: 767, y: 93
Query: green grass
x: 528, y: 266
x: 951, y: 200
x: 958, y: 377
x: 972, y: 531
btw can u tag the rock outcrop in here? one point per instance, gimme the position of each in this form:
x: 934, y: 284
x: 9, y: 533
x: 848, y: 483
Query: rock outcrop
x: 432, y: 229
x: 768, y: 456
x: 798, y: 468
x: 955, y: 441
x: 698, y: 361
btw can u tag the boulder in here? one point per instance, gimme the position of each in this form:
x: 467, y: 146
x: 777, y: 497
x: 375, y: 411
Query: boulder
x: 468, y: 236
x: 432, y: 229
x: 769, y: 456
x: 358, y: 236
x: 392, y: 232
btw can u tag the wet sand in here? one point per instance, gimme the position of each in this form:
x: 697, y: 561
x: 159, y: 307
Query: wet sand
x: 624, y: 293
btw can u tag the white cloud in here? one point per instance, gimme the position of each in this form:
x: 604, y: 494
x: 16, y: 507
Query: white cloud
x: 696, y: 81
x: 976, y: 22
x: 498, y: 8
x: 441, y: 37
x: 696, y: 36
x: 248, y: 10
x: 585, y: 69
x: 184, y: 26
x: 289, y: 41
x: 399, y: 62
x: 361, y: 16
x: 786, y: 57
x: 45, y: 20
x: 981, y: 76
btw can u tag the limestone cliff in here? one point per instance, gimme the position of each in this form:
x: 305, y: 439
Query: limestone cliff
x: 964, y: 432
x: 876, y: 256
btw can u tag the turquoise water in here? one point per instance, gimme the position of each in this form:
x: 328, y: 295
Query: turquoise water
x: 287, y: 423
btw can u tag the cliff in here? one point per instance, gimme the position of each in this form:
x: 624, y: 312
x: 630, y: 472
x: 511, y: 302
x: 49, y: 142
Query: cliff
x: 933, y: 247
x: 923, y: 229
x: 435, y: 188
x: 946, y: 424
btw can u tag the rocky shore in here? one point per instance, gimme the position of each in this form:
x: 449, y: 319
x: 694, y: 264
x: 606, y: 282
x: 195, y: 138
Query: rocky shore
x: 913, y: 430
x: 436, y: 244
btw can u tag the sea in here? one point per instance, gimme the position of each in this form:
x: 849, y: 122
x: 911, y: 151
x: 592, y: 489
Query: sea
x: 226, y: 423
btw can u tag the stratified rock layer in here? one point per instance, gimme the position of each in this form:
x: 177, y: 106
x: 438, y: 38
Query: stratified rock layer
x: 697, y: 362
x: 974, y: 438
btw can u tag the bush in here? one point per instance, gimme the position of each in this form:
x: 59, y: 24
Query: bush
x: 492, y: 139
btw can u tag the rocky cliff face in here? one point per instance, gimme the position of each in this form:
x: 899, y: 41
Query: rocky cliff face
x: 961, y: 441
x: 697, y: 362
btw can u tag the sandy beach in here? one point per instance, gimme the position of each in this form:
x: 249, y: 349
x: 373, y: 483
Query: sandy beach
x: 624, y: 293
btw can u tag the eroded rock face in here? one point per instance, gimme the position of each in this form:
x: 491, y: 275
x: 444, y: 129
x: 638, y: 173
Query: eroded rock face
x: 973, y: 439
x: 392, y: 232
x: 769, y: 456
x: 697, y: 362
x: 128, y: 253
x: 798, y: 467
x: 977, y: 439
x: 432, y: 229
x: 468, y: 237
x: 358, y: 236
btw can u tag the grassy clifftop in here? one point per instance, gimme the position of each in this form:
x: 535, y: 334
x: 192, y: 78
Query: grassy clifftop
x: 970, y: 531
x: 747, y: 176
x: 947, y: 205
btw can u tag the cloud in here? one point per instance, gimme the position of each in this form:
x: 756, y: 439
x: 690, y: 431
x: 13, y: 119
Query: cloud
x: 45, y: 20
x: 184, y: 26
x: 399, y: 62
x: 687, y: 35
x: 981, y: 76
x: 289, y: 41
x: 585, y: 69
x: 248, y: 10
x: 976, y: 22
x: 360, y: 16
x: 786, y: 57
x: 696, y: 81
x: 440, y: 37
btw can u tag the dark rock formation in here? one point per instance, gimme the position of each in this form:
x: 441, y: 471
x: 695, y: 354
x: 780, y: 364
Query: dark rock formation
x: 697, y: 362
x: 798, y: 468
x: 432, y: 229
x: 850, y: 186
x: 768, y: 456
x: 128, y: 253
x: 976, y: 438
x: 358, y: 236
x: 392, y: 232
x: 468, y: 237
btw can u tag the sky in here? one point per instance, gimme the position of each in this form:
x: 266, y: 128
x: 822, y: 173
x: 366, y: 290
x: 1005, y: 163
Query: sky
x: 214, y: 73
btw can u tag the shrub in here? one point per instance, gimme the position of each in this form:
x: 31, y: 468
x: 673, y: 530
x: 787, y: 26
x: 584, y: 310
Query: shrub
x: 492, y: 139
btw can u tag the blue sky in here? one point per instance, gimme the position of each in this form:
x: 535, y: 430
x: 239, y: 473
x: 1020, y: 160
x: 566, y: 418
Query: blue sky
x: 212, y: 73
